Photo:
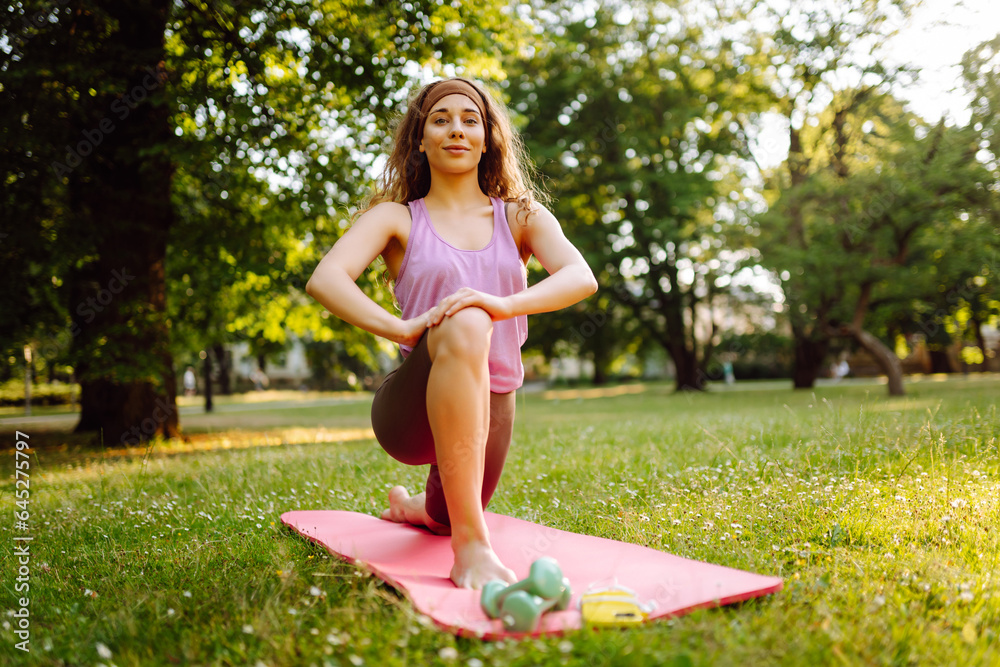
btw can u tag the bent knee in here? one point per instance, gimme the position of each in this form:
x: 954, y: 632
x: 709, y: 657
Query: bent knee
x: 466, y: 332
x: 472, y: 321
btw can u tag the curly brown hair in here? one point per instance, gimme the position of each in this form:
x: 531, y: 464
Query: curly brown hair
x: 505, y: 171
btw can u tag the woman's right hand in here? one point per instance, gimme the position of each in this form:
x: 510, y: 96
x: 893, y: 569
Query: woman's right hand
x: 410, y: 331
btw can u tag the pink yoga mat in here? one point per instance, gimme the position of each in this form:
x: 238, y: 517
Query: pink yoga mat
x: 418, y: 563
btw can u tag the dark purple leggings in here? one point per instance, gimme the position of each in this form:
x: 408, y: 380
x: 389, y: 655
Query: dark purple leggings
x: 399, y: 419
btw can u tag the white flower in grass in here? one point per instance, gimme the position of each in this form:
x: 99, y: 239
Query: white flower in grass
x: 448, y: 653
x: 879, y: 600
x: 356, y: 660
x: 187, y: 594
x: 958, y: 502
x: 966, y: 596
x: 315, y: 592
x: 103, y: 651
x: 474, y: 662
x: 170, y: 612
x: 565, y: 646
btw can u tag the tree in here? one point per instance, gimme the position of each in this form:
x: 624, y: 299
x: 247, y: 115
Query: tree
x: 981, y: 77
x: 105, y: 104
x: 85, y: 89
x: 960, y: 292
x: 867, y: 218
x: 286, y: 109
x: 601, y: 329
x: 633, y: 114
x: 815, y: 50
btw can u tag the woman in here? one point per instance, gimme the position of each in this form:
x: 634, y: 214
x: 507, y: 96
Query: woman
x: 455, y: 221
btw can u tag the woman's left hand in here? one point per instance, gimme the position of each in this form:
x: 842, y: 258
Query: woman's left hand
x: 497, y: 307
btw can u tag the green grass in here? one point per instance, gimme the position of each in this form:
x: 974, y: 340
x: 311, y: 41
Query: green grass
x: 880, y: 514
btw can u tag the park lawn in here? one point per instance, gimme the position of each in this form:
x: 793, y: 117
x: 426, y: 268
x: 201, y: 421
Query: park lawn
x: 880, y: 514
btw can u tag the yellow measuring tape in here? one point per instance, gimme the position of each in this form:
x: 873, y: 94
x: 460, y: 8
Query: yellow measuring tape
x: 617, y: 605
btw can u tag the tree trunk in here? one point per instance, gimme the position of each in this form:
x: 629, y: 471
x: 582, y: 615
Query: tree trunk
x: 207, y: 368
x: 600, y: 352
x: 884, y: 357
x: 809, y: 357
x: 600, y: 371
x: 677, y: 336
x: 222, y: 358
x: 689, y: 375
x: 940, y: 362
x: 119, y: 187
x: 977, y: 328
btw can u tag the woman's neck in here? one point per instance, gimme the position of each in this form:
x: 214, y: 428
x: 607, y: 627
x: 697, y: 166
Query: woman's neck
x: 455, y: 191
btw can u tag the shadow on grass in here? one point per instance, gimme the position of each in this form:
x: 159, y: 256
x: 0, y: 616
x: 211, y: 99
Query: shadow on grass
x: 59, y: 446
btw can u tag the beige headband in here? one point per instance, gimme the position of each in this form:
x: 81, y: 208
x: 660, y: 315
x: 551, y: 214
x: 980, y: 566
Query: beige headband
x: 452, y: 87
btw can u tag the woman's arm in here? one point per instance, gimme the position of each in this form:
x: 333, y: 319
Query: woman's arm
x: 570, y: 278
x: 334, y: 285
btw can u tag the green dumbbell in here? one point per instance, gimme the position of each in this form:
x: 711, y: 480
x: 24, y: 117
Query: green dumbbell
x: 521, y: 611
x: 544, y: 580
x: 522, y: 604
x: 489, y: 600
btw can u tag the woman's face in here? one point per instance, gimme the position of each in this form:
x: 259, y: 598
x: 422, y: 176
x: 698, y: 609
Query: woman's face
x: 454, y: 135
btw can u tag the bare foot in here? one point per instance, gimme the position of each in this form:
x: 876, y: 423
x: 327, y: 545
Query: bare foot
x: 476, y: 563
x: 404, y: 508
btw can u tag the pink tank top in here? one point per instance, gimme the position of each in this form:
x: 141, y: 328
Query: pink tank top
x: 432, y: 269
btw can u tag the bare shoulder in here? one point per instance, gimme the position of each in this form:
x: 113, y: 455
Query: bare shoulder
x: 539, y: 215
x: 385, y: 229
x: 526, y: 225
x: 526, y: 218
x: 388, y: 216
